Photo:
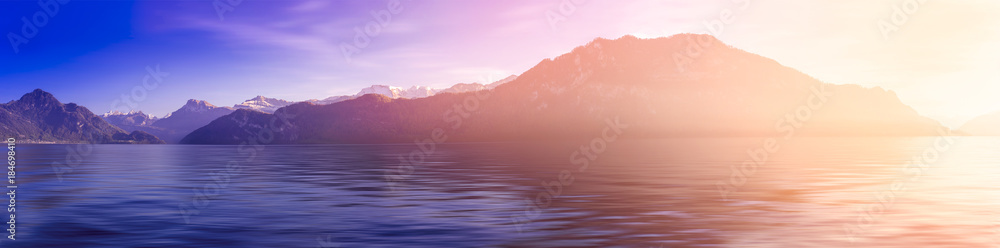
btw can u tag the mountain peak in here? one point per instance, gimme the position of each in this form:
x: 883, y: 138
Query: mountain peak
x: 194, y: 105
x: 263, y: 104
x: 701, y: 39
x: 39, y: 97
x: 39, y: 117
x: 198, y: 103
x: 385, y: 90
x: 376, y: 98
x: 119, y: 113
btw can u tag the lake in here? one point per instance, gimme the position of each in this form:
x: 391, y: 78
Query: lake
x: 810, y: 192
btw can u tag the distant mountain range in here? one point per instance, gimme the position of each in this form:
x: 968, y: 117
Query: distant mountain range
x: 263, y: 104
x: 269, y: 105
x: 198, y: 113
x: 174, y: 126
x: 392, y: 92
x: 986, y: 125
x: 130, y: 120
x: 38, y: 117
x: 723, y: 91
x: 194, y: 114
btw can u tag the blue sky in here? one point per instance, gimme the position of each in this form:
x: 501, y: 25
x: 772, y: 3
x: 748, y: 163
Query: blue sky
x: 92, y: 52
x: 943, y: 61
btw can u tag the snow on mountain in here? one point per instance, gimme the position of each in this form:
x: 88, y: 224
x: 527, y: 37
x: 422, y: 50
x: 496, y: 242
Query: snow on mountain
x: 463, y: 87
x: 269, y: 105
x: 385, y: 90
x: 132, y: 118
x: 263, y: 104
x: 194, y: 114
x: 418, y: 92
x: 130, y: 113
x: 198, y: 106
x: 398, y: 92
x: 329, y: 100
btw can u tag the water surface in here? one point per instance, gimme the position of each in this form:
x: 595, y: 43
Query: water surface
x: 638, y: 193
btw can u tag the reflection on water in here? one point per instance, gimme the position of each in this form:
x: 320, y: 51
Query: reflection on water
x: 639, y: 193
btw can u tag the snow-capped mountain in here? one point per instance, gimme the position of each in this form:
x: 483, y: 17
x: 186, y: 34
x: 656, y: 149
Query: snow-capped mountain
x: 417, y: 92
x: 173, y: 127
x: 464, y: 87
x: 197, y: 113
x: 329, y: 100
x: 197, y: 106
x: 459, y: 88
x: 393, y: 92
x: 726, y: 92
x: 424, y: 91
x: 263, y: 104
x: 194, y: 114
x: 385, y: 90
x: 132, y: 118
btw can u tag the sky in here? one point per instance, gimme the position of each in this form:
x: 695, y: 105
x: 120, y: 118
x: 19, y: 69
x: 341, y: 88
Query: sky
x: 939, y: 57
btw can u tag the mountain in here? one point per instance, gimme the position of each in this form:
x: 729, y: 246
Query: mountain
x: 263, y: 104
x: 508, y: 79
x: 329, y: 100
x: 417, y: 92
x: 463, y: 87
x: 986, y: 125
x: 385, y: 90
x: 130, y: 121
x: 397, y: 92
x: 391, y: 92
x: 134, y: 121
x: 394, y: 92
x: 472, y: 87
x: 191, y: 116
x: 38, y: 117
x: 655, y: 87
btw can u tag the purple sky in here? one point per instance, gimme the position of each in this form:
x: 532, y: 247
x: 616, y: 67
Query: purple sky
x: 93, y: 52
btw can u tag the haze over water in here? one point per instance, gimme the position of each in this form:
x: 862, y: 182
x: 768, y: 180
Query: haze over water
x: 639, y: 193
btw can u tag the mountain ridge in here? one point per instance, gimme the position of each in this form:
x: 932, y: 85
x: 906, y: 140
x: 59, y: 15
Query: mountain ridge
x: 984, y: 125
x: 724, y: 91
x: 38, y: 117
